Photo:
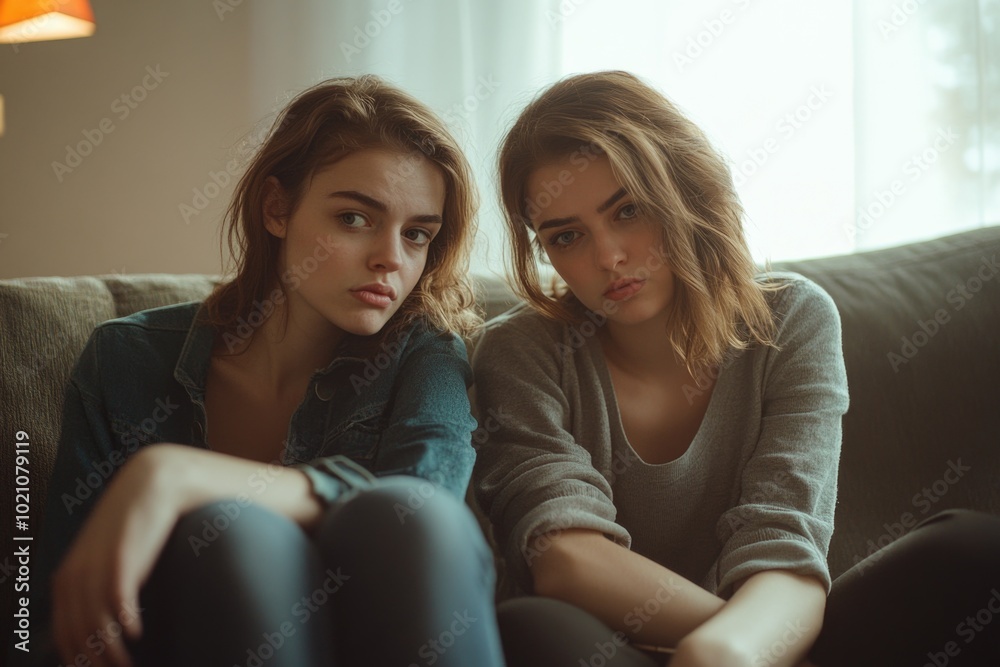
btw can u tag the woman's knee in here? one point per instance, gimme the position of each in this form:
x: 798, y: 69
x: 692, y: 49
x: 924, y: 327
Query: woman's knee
x: 403, y: 513
x: 958, y: 536
x: 405, y: 505
x: 227, y: 530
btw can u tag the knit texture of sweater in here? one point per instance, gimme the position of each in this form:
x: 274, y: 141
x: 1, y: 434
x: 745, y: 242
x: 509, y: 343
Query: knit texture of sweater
x: 755, y: 490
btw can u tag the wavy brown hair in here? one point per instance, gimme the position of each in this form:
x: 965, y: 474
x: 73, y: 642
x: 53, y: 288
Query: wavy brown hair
x: 320, y: 126
x: 677, y: 179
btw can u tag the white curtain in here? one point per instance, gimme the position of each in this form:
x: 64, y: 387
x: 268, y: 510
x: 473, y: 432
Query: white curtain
x: 476, y: 63
x: 849, y: 126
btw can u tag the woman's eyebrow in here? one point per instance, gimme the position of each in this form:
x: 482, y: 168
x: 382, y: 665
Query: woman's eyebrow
x: 559, y: 222
x: 611, y: 200
x: 431, y: 218
x: 361, y: 198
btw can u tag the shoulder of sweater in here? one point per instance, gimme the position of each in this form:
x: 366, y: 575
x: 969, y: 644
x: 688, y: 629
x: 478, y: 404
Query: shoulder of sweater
x: 798, y: 293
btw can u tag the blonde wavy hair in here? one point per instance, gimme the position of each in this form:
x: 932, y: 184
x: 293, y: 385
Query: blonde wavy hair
x: 320, y: 126
x: 677, y: 179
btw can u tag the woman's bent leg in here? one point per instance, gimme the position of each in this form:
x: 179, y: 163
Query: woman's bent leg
x: 415, y: 578
x: 234, y: 585
x: 544, y: 632
x: 930, y: 598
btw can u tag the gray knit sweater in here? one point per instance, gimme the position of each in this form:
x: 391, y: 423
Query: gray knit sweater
x: 755, y: 491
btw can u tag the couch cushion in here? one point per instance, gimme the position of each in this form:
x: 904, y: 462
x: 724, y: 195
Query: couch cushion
x: 920, y: 325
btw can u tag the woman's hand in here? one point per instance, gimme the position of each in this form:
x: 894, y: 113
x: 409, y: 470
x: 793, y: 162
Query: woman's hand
x: 95, y: 590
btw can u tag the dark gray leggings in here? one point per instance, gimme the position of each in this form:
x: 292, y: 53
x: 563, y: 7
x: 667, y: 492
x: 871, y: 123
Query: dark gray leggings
x: 396, y: 575
x: 929, y: 599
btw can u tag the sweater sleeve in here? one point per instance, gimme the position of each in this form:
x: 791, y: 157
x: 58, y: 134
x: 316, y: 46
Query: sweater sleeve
x: 784, y: 516
x: 532, y: 478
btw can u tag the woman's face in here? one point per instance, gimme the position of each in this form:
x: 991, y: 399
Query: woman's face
x: 611, y: 258
x: 357, y: 243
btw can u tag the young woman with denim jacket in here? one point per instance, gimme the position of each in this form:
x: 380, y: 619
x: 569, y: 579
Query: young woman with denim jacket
x: 664, y: 480
x: 276, y: 475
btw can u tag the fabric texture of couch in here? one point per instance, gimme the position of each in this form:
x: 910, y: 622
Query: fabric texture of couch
x: 920, y: 325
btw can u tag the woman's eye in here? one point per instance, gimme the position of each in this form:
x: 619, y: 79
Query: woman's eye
x: 353, y: 219
x: 419, y: 235
x: 628, y: 211
x: 562, y: 239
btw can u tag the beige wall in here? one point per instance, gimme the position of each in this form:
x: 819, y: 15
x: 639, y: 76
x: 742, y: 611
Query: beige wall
x: 118, y: 209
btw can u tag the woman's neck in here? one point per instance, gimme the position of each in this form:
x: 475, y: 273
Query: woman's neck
x: 641, y: 350
x: 284, y: 354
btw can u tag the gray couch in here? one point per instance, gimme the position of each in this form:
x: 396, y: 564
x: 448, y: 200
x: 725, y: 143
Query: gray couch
x: 921, y: 325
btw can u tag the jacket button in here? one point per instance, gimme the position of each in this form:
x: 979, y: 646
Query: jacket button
x: 324, y: 389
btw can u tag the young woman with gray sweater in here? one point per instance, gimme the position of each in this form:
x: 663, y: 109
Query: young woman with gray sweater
x: 663, y: 480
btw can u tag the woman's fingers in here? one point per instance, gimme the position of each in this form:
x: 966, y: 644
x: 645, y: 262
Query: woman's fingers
x: 90, y: 622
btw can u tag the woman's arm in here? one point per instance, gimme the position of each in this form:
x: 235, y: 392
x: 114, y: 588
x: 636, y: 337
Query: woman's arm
x: 773, y: 619
x: 100, y: 578
x: 631, y: 593
x: 430, y: 425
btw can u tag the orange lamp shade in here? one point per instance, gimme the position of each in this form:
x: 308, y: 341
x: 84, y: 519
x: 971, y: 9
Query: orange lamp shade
x: 36, y: 20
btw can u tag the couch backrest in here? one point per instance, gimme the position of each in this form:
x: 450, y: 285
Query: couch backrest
x: 921, y: 327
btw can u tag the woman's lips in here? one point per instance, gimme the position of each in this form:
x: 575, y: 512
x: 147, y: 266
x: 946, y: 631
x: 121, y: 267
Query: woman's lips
x: 624, y: 290
x: 372, y: 298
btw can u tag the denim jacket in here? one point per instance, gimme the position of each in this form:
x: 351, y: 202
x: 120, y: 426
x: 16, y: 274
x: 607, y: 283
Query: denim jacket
x: 393, y: 404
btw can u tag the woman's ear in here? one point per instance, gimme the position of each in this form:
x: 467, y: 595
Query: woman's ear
x: 275, y: 207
